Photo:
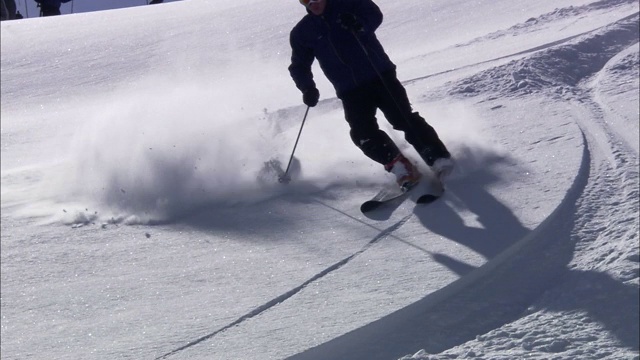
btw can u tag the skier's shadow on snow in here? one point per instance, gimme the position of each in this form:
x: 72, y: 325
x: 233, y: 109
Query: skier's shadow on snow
x: 499, y: 227
x: 488, y: 303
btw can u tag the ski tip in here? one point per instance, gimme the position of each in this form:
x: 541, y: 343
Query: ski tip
x: 369, y: 205
x: 427, y: 199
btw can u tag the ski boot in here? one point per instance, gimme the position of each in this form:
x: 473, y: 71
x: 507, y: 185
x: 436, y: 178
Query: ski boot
x: 407, y: 175
x: 443, y: 167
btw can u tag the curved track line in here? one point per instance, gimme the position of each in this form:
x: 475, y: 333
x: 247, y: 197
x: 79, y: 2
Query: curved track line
x: 434, y: 322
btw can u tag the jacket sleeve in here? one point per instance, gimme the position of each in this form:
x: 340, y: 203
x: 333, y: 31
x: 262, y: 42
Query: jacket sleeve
x: 367, y: 12
x: 302, y: 58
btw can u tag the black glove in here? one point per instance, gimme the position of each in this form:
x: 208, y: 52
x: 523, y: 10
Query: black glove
x: 310, y: 97
x: 349, y: 22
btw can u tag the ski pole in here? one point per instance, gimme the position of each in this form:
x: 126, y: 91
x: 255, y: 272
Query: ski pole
x: 285, y: 177
x: 384, y: 82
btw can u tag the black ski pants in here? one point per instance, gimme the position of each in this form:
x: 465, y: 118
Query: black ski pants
x: 388, y: 95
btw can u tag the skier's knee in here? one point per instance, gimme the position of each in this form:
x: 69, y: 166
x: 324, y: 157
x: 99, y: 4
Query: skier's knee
x: 377, y: 146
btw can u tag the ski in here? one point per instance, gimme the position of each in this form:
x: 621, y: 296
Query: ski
x: 428, y: 198
x: 384, y: 196
x: 436, y: 191
x: 432, y: 189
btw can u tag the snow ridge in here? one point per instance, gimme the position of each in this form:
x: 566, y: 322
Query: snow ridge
x: 557, y: 67
x: 560, y: 13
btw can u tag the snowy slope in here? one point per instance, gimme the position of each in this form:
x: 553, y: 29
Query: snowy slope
x: 136, y: 222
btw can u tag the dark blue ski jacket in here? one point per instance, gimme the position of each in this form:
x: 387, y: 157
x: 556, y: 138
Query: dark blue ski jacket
x: 342, y: 59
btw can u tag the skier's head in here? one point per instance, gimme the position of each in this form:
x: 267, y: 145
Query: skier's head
x: 316, y: 7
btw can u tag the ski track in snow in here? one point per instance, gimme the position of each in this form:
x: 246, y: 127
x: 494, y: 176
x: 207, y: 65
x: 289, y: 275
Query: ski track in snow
x: 274, y: 302
x: 614, y: 177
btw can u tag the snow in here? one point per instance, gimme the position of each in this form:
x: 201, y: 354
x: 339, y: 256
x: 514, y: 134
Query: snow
x: 138, y: 220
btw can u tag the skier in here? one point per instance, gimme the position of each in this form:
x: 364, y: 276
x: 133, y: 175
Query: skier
x: 50, y: 7
x: 341, y: 35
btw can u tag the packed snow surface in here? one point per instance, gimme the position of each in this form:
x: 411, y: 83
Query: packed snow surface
x: 140, y: 220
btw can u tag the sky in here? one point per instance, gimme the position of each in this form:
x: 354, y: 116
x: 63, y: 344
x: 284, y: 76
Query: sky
x: 140, y: 218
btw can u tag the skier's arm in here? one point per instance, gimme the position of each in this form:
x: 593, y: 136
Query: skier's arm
x: 301, y: 60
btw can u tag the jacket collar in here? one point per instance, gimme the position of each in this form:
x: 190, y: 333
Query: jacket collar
x: 327, y: 10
